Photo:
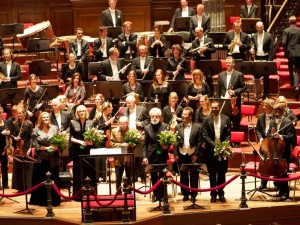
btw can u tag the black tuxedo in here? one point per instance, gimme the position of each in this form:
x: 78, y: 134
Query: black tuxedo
x: 15, y: 75
x: 84, y: 49
x: 106, y: 70
x: 205, y: 24
x: 171, y: 66
x: 207, y: 54
x: 65, y: 120
x: 178, y: 13
x: 216, y: 169
x: 141, y: 113
x: 96, y: 49
x: 245, y: 40
x: 107, y: 18
x: 260, y: 128
x: 268, y: 44
x: 244, y: 11
x: 136, y: 65
x: 131, y: 42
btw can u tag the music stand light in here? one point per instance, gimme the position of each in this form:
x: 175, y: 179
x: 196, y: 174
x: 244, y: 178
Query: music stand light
x: 12, y: 29
x: 182, y: 23
x: 40, y: 68
x: 249, y: 24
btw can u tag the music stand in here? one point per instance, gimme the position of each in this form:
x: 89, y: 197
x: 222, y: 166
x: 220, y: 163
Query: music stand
x: 40, y: 68
x: 210, y: 68
x: 265, y: 69
x: 249, y: 24
x: 182, y: 23
x: 25, y: 159
x: 114, y: 32
x: 192, y: 168
x: 51, y: 92
x: 109, y: 89
x: 227, y: 109
x: 38, y: 44
x: 173, y: 39
x: 245, y: 67
x: 12, y: 29
x: 11, y: 95
x: 160, y: 63
x: 157, y: 168
x: 218, y: 38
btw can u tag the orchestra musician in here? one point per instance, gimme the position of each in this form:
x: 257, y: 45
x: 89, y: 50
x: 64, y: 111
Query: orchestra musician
x: 160, y: 89
x: 183, y: 11
x: 50, y: 158
x: 172, y: 113
x: 143, y: 64
x: 70, y: 68
x: 237, y: 42
x: 111, y: 69
x: 216, y: 129
x: 10, y: 69
x: 4, y: 133
x: 282, y: 127
x: 249, y: 10
x: 200, y: 20
x: 21, y: 132
x: 153, y: 153
x: 75, y: 92
x: 176, y: 65
x: 188, y: 151
x: 132, y: 87
x: 96, y: 111
x: 204, y: 110
x: 58, y: 117
x: 102, y: 45
x: 34, y: 98
x: 104, y: 121
x: 127, y: 42
x: 112, y: 17
x: 231, y: 85
x: 157, y: 43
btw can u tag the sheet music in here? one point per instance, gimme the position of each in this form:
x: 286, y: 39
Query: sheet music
x: 106, y: 151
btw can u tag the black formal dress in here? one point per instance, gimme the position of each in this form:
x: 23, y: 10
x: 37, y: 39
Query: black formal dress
x: 141, y: 115
x: 107, y: 71
x: 67, y: 72
x: 210, y: 48
x: 162, y: 93
x: 172, y: 65
x: 199, y: 116
x: 168, y: 115
x: 192, y: 91
x: 138, y: 89
x: 157, y: 50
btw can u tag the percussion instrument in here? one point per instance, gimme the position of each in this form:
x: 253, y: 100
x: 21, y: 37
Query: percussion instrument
x: 39, y: 30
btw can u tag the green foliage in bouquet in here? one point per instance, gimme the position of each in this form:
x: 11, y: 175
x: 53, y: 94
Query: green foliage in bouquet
x: 96, y: 136
x: 167, y: 138
x: 134, y: 137
x: 61, y: 140
x: 223, y: 150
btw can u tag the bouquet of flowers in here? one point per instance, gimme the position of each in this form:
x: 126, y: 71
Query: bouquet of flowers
x: 94, y: 135
x: 223, y: 150
x: 167, y: 137
x: 60, y: 139
x: 133, y: 137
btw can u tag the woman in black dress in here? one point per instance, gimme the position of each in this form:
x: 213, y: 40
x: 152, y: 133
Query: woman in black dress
x: 176, y: 65
x: 204, y: 110
x: 132, y: 87
x: 4, y: 132
x: 97, y: 109
x: 160, y: 89
x: 49, y: 157
x: 70, y: 68
x: 170, y: 110
x: 157, y: 43
x: 196, y: 88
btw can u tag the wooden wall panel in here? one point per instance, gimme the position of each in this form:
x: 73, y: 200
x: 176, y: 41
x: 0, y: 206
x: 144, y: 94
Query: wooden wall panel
x: 62, y: 21
x: 30, y: 16
x: 4, y: 18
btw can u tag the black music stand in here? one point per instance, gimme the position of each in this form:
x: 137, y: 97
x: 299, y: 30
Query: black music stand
x: 218, y: 38
x: 25, y: 159
x: 182, y: 23
x: 245, y: 67
x: 173, y: 39
x: 114, y: 32
x: 51, y: 92
x: 192, y: 167
x: 249, y: 24
x: 109, y: 89
x: 12, y: 29
x: 40, y: 68
x: 11, y: 95
x: 265, y: 69
x: 227, y: 109
x: 160, y: 63
x: 38, y: 44
x: 157, y: 168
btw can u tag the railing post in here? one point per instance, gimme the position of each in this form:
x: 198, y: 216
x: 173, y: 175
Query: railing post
x: 166, y: 206
x: 48, y: 185
x: 125, y: 213
x: 87, y: 191
x: 243, y: 204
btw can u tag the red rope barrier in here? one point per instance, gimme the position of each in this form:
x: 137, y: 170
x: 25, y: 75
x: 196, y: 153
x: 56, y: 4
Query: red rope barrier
x: 274, y: 179
x: 206, y: 189
x: 148, y: 191
x: 109, y: 203
x: 23, y: 192
x: 56, y: 189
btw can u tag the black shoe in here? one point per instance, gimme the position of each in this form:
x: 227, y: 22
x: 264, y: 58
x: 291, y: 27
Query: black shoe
x: 262, y: 186
x: 185, y: 198
x: 284, y: 197
x: 278, y: 195
x: 222, y: 198
x: 213, y: 199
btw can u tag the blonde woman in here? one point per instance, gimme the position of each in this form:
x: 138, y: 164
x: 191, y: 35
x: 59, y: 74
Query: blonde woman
x: 97, y: 110
x: 204, y: 110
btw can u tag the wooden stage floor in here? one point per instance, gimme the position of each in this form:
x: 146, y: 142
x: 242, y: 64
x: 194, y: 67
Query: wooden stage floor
x: 70, y: 211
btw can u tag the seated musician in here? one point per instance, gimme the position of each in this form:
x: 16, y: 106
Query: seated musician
x: 127, y: 42
x: 132, y: 87
x: 262, y: 127
x: 204, y: 110
x: 10, y: 69
x: 157, y: 43
x: 172, y: 113
x: 152, y: 151
x: 176, y: 65
x: 34, y: 98
x: 143, y: 64
x: 111, y: 69
x: 70, y: 68
x: 200, y: 20
x: 112, y: 17
x: 75, y: 92
x: 188, y: 151
x: 282, y: 128
x: 117, y: 141
x: 4, y: 132
x: 102, y: 45
x: 97, y: 109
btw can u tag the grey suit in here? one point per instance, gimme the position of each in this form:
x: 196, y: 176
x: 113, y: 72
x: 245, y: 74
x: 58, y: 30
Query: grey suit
x: 96, y: 49
x: 107, y: 18
x: 244, y: 11
x: 84, y: 49
x: 15, y: 75
x: 205, y: 24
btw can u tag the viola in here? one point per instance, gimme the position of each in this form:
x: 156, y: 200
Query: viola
x: 19, y: 147
x: 235, y: 109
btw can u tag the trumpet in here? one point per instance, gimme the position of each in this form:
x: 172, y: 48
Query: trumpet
x: 233, y: 43
x: 196, y: 49
x: 2, y: 77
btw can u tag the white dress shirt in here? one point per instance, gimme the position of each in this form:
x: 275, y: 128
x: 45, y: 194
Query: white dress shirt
x: 113, y: 16
x: 186, y: 149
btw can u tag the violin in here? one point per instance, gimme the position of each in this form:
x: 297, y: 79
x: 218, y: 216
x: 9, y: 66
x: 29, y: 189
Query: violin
x: 234, y: 108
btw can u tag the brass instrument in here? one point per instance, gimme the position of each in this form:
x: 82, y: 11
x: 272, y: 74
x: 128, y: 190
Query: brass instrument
x: 2, y: 77
x: 232, y: 46
x: 204, y: 45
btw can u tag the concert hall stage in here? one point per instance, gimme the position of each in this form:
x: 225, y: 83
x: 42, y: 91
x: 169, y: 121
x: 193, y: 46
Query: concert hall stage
x: 263, y: 210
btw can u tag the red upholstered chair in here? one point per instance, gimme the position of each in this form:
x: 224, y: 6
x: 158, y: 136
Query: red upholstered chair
x: 248, y: 111
x: 237, y: 137
x: 4, y: 115
x: 232, y: 19
x: 26, y: 25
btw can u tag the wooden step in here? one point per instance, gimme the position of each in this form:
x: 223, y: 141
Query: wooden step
x: 287, y: 91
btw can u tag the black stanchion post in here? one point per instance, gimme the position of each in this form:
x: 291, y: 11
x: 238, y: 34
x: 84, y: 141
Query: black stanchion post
x: 48, y: 184
x: 166, y: 206
x: 125, y: 213
x: 243, y: 204
x: 87, y: 192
